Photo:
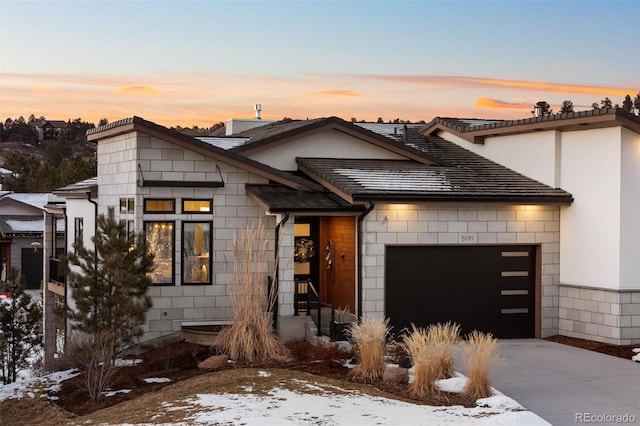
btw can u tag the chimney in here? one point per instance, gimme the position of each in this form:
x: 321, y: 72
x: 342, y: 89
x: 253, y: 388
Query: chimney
x: 257, y: 108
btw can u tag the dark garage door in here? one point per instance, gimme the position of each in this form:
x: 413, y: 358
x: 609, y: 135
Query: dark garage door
x: 486, y: 288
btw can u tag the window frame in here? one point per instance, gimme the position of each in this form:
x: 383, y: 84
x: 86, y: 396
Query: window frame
x: 78, y: 229
x: 209, y: 258
x: 209, y: 200
x: 172, y: 251
x: 173, y: 206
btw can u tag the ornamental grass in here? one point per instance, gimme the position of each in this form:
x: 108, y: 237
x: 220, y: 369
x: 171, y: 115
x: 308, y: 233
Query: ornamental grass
x: 369, y: 340
x: 251, y: 338
x: 443, y: 338
x: 480, y: 351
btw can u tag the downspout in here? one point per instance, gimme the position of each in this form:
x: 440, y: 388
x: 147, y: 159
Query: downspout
x: 276, y: 281
x: 359, y: 248
x: 95, y: 208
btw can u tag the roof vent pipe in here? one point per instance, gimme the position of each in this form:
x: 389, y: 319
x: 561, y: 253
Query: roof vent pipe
x: 257, y: 108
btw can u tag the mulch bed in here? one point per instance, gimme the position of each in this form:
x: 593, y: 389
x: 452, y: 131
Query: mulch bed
x: 178, y: 361
x: 623, y: 351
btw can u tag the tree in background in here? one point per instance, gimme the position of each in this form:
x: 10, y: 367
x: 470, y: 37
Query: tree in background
x: 566, y: 107
x: 20, y: 328
x: 627, y: 104
x: 109, y: 283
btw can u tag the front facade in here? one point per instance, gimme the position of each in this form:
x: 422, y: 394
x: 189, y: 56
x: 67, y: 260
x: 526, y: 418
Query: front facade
x: 380, y: 220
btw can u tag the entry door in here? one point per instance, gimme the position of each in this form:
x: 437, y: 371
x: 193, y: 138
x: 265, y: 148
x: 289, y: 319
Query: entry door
x: 32, y: 268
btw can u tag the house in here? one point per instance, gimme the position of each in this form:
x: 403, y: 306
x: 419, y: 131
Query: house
x: 21, y: 235
x: 416, y: 223
x: 49, y: 129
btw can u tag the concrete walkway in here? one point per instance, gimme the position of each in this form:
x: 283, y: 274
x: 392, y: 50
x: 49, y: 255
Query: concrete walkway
x: 559, y: 382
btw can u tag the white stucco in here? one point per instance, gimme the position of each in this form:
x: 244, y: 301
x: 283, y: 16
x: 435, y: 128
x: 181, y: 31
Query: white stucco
x: 630, y: 211
x: 533, y: 154
x: 590, y: 227
x: 327, y: 143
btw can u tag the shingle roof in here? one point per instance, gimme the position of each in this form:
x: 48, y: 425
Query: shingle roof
x: 279, y: 198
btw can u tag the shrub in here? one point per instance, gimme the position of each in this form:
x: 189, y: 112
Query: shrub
x: 369, y: 338
x: 425, y: 372
x: 251, y: 337
x: 443, y: 338
x: 480, y: 352
x: 93, y: 354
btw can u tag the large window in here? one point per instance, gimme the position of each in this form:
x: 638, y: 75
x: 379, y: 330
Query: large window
x: 154, y: 205
x: 196, y: 252
x: 161, y: 240
x: 196, y: 206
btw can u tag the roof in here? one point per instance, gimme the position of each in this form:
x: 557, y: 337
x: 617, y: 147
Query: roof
x: 37, y: 200
x: 281, y: 131
x: 279, y: 198
x: 223, y: 142
x: 23, y: 225
x: 81, y: 187
x: 207, y: 149
x: 475, y: 130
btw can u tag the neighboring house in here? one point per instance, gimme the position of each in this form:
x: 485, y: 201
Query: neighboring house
x: 21, y: 232
x: 49, y: 129
x: 404, y: 222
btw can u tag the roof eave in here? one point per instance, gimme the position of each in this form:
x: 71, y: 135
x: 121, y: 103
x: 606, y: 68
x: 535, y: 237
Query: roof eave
x: 496, y: 198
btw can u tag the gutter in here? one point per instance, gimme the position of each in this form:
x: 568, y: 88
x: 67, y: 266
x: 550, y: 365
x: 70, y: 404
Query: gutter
x: 274, y: 287
x: 95, y: 208
x: 359, y: 243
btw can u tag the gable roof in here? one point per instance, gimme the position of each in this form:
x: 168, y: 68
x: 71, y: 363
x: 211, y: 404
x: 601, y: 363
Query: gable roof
x: 475, y: 131
x: 196, y: 145
x: 30, y: 200
x: 282, y: 131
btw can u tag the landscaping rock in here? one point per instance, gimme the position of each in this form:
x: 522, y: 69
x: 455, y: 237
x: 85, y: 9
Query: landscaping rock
x: 395, y: 374
x: 405, y: 361
x: 214, y: 362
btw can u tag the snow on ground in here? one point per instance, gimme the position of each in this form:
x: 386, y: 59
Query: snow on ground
x: 321, y: 405
x: 636, y: 357
x: 326, y: 405
x: 157, y: 380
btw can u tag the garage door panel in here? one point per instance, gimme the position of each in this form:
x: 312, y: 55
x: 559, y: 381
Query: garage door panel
x: 485, y: 288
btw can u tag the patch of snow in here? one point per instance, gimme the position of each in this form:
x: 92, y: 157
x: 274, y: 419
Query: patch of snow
x: 424, y: 179
x: 454, y: 384
x: 157, y: 380
x: 285, y: 407
x: 636, y: 357
x: 263, y: 374
x: 115, y: 392
x: 127, y: 362
x: 24, y: 386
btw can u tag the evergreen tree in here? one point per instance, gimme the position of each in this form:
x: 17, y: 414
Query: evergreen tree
x: 541, y: 108
x: 566, y: 107
x: 20, y: 328
x: 606, y: 103
x: 109, y: 283
x: 627, y: 104
x: 636, y: 101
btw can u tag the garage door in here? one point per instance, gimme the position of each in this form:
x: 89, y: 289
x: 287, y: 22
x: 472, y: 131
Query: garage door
x: 485, y: 288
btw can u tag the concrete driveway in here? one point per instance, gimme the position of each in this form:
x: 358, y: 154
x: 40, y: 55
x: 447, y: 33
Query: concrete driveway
x: 566, y: 385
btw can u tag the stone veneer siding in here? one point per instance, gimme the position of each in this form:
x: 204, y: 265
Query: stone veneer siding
x: 600, y: 314
x: 118, y: 160
x: 462, y: 224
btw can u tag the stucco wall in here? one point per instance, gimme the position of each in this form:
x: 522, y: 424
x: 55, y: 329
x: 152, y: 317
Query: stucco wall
x: 630, y: 211
x: 433, y: 224
x: 327, y: 143
x: 533, y: 154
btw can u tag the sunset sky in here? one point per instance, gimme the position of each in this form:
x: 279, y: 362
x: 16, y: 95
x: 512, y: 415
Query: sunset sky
x: 200, y: 62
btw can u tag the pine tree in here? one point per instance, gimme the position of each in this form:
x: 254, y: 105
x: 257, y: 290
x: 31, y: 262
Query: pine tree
x: 109, y: 283
x: 627, y: 104
x: 566, y: 107
x: 20, y: 328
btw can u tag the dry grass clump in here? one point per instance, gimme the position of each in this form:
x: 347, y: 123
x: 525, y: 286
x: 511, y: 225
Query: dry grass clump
x: 425, y: 361
x: 443, y: 337
x: 251, y: 337
x: 480, y: 351
x: 369, y: 339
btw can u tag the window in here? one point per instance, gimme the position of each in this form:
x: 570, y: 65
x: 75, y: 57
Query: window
x: 78, y: 229
x: 159, y: 206
x: 160, y: 237
x: 196, y: 252
x: 127, y: 205
x: 196, y: 206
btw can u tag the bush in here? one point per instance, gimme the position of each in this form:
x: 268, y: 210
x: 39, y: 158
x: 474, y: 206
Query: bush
x: 369, y: 338
x: 443, y: 338
x: 93, y: 355
x: 251, y: 337
x: 480, y: 352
